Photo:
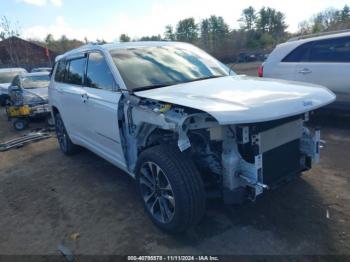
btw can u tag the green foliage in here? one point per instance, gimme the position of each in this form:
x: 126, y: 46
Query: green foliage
x: 271, y: 21
x: 187, y: 30
x: 248, y: 18
x: 169, y: 33
x: 214, y: 34
x: 59, y: 46
x: 124, y: 38
x: 151, y: 38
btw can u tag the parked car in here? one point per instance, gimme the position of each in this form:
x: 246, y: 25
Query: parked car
x: 183, y: 124
x: 323, y: 60
x: 41, y: 69
x: 6, y: 76
x: 30, y: 90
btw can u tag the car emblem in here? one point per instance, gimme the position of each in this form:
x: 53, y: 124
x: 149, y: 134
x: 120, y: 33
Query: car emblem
x: 307, y: 103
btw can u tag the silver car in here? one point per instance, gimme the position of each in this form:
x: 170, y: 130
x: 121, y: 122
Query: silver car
x: 31, y: 89
x: 6, y: 76
x: 323, y: 60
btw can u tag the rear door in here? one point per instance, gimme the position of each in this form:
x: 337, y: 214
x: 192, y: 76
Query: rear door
x: 287, y: 68
x: 328, y: 64
x: 103, y: 98
x: 72, y: 98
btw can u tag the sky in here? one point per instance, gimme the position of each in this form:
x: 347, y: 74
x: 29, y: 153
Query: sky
x: 107, y: 19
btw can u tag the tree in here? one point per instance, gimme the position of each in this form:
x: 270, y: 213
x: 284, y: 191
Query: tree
x: 219, y: 33
x: 187, y: 30
x: 151, y: 38
x: 205, y: 34
x: 345, y: 13
x: 327, y: 20
x: 214, y: 33
x: 100, y: 41
x: 8, y: 31
x: 49, y: 39
x: 124, y: 38
x: 169, y: 33
x: 271, y: 21
x: 248, y: 18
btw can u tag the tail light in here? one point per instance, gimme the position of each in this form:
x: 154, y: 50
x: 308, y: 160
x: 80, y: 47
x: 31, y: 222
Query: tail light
x: 261, y: 71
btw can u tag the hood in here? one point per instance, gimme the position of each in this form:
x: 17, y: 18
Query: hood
x: 241, y: 99
x: 37, y: 92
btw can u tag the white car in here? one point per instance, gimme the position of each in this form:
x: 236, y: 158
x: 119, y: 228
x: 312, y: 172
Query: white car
x: 6, y: 77
x: 173, y: 117
x: 323, y: 60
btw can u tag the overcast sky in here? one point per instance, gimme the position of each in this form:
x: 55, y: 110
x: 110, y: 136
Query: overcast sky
x: 107, y: 19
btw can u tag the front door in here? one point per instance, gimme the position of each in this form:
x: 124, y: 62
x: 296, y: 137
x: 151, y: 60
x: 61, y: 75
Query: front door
x: 103, y: 98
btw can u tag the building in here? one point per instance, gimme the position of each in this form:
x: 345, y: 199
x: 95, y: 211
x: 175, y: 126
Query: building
x: 16, y: 52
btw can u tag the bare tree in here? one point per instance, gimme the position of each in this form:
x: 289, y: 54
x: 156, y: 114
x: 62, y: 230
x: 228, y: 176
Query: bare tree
x: 8, y: 31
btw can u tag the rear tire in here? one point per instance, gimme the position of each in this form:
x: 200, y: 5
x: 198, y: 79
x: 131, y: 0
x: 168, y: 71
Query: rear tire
x: 171, y: 188
x: 66, y: 144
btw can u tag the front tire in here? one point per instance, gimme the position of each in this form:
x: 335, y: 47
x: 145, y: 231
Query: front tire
x: 66, y: 144
x: 171, y: 188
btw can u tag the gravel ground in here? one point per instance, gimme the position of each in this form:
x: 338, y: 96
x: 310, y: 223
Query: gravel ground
x: 45, y: 197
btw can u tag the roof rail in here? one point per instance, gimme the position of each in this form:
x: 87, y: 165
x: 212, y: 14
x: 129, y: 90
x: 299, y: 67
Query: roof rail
x: 318, y: 34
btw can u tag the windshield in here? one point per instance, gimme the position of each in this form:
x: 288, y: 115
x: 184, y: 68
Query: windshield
x: 150, y: 67
x: 35, y: 81
x: 6, y: 77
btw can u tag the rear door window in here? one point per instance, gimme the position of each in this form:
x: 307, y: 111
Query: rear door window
x: 299, y: 54
x: 75, y: 71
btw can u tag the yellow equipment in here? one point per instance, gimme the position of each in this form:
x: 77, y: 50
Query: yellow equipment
x: 19, y: 116
x: 18, y: 111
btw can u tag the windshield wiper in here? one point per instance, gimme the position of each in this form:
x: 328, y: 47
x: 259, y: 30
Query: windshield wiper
x: 204, y: 78
x: 142, y: 88
x: 174, y: 83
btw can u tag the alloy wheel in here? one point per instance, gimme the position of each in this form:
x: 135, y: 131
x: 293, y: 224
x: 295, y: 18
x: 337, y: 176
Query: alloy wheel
x: 61, y: 134
x: 157, y: 192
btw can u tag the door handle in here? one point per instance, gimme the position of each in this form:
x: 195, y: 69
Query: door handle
x: 84, y: 97
x: 305, y: 71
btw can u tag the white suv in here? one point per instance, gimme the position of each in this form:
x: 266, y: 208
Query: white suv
x: 323, y: 60
x: 173, y: 117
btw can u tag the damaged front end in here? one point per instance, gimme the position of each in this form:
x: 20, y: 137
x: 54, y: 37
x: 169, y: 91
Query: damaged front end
x: 236, y: 161
x: 263, y: 155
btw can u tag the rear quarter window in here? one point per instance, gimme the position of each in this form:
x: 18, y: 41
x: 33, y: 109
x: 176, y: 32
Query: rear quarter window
x: 336, y: 50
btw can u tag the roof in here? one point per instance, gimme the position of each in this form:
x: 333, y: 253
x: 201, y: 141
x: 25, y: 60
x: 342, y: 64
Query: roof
x: 297, y: 42
x: 326, y: 35
x: 108, y: 47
